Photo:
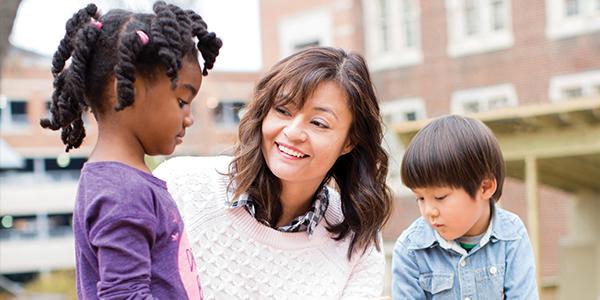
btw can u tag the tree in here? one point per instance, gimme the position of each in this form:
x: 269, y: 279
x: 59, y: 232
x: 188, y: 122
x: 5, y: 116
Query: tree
x: 8, y: 12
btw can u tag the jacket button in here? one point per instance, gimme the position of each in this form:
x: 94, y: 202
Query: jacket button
x: 493, y: 270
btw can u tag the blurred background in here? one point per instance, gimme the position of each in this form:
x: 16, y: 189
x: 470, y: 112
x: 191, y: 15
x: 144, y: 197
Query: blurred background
x: 529, y: 69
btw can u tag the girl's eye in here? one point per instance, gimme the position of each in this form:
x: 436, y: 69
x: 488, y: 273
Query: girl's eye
x: 181, y: 103
x: 440, y: 198
x: 282, y: 110
x: 319, y: 124
x: 419, y: 199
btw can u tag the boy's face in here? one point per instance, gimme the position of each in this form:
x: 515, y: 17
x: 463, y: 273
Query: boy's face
x: 453, y: 212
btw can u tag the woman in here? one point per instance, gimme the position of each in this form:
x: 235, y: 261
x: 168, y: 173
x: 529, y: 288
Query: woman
x: 297, y: 211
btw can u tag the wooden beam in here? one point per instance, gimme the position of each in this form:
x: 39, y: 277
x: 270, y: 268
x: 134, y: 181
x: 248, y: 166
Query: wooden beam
x: 533, y: 222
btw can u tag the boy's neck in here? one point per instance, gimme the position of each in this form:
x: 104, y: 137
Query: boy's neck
x: 482, y: 224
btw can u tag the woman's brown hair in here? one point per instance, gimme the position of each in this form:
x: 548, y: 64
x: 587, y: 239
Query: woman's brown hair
x: 360, y: 175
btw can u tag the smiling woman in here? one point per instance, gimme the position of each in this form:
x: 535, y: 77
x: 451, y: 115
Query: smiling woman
x: 297, y: 211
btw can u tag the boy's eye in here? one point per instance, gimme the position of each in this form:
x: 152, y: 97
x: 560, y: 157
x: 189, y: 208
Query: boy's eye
x: 440, y: 198
x: 419, y: 199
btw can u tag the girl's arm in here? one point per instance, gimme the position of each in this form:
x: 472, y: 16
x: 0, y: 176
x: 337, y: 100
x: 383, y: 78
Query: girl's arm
x: 123, y: 251
x: 405, y: 274
x: 520, y: 275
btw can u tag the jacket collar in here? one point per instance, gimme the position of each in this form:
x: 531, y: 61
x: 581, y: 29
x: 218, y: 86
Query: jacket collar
x: 501, y: 228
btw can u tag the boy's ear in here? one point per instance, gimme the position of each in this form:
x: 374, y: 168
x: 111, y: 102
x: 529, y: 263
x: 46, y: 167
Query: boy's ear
x: 488, y: 188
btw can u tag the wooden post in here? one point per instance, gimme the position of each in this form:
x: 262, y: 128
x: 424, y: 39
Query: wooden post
x: 533, y: 212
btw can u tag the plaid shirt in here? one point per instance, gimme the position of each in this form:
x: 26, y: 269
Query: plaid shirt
x: 306, y: 222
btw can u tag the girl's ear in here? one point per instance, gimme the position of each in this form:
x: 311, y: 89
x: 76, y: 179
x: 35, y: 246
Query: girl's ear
x: 139, y: 89
x: 488, y: 188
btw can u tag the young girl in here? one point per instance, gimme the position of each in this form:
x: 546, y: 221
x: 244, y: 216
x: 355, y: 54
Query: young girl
x: 138, y: 73
x: 463, y: 246
x: 268, y: 223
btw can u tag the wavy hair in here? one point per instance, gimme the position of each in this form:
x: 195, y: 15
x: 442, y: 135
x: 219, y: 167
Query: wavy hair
x: 98, y: 53
x: 360, y: 175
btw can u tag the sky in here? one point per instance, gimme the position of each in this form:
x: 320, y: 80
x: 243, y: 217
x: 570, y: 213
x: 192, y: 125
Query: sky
x: 40, y: 25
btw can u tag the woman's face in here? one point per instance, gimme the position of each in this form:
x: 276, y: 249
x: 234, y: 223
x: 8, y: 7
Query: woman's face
x: 301, y: 144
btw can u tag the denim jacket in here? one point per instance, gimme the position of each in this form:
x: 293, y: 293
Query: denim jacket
x: 501, y: 266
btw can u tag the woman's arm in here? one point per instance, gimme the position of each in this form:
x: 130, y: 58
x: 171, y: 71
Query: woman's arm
x: 366, y: 279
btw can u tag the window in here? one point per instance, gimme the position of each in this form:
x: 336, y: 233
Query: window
x: 304, y: 30
x: 573, y: 86
x: 567, y: 18
x: 13, y: 113
x: 402, y: 110
x: 477, y: 26
x: 228, y: 113
x: 393, y: 33
x: 483, y: 99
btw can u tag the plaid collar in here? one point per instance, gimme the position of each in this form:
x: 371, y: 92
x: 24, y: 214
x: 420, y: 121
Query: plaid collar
x: 306, y: 222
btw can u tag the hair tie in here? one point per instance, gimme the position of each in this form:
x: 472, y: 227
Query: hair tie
x: 97, y: 24
x: 143, y: 37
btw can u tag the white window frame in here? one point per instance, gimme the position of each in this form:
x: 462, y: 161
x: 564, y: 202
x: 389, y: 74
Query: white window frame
x: 7, y: 122
x: 483, y: 96
x: 227, y: 124
x: 587, y: 81
x: 487, y: 40
x: 398, y: 54
x: 559, y: 25
x: 403, y: 106
x: 305, y: 27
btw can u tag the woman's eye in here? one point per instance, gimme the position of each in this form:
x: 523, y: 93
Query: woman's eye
x: 282, y: 110
x: 319, y: 124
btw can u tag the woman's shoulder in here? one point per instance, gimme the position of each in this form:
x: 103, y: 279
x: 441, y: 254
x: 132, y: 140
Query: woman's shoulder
x: 188, y: 165
x: 197, y: 181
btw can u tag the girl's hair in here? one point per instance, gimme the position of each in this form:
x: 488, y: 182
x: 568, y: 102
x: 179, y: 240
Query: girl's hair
x: 360, y: 174
x: 454, y: 151
x: 101, y: 47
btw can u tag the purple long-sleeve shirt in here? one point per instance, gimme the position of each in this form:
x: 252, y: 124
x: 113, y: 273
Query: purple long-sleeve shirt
x: 129, y: 237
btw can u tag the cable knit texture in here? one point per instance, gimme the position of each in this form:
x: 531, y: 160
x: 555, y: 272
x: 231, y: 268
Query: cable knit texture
x: 239, y: 258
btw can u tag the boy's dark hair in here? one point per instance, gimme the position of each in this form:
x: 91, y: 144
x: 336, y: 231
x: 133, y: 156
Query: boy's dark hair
x: 114, y: 49
x: 454, y: 151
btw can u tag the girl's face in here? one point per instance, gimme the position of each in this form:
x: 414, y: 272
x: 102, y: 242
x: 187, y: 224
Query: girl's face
x: 162, y: 114
x: 300, y: 145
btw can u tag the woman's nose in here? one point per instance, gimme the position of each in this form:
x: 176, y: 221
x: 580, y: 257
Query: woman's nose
x: 294, y: 130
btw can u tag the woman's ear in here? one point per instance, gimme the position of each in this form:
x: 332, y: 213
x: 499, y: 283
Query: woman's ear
x: 347, y: 147
x: 488, y: 187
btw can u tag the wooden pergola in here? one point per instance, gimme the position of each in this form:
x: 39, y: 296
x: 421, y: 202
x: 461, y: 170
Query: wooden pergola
x: 557, y: 144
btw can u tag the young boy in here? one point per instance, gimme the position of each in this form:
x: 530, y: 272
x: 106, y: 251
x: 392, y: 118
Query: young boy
x: 463, y: 246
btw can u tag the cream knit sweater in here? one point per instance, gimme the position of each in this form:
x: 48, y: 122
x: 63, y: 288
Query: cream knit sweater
x: 239, y: 258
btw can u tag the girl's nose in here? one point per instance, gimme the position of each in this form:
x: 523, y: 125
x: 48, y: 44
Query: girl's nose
x: 188, y: 120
